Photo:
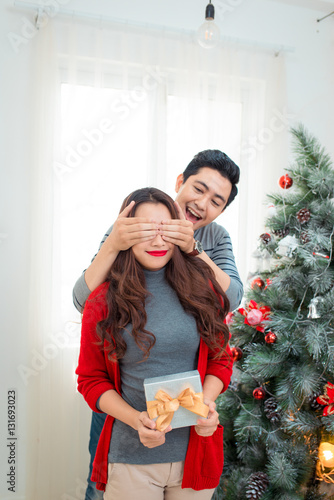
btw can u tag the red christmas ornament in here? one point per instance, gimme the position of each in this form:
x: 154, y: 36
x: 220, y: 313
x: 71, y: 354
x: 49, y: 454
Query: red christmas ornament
x: 255, y: 315
x: 270, y: 338
x: 285, y: 181
x: 269, y: 282
x: 236, y: 353
x: 257, y: 282
x: 229, y: 318
x: 327, y: 399
x: 259, y: 393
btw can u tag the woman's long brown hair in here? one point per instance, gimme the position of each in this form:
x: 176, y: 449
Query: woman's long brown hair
x: 189, y: 276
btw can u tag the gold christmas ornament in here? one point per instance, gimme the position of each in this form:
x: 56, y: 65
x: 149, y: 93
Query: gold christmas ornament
x: 326, y: 455
x: 325, y: 465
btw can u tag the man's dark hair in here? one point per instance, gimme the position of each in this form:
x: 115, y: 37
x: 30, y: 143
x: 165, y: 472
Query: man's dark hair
x: 213, y: 158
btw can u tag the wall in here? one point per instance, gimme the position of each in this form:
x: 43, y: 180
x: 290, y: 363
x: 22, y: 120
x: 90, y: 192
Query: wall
x: 310, y: 69
x: 280, y: 24
x: 16, y: 117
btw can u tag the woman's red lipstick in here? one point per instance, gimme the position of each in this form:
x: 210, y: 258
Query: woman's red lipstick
x: 158, y: 253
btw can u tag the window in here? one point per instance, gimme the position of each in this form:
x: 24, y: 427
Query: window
x: 111, y: 146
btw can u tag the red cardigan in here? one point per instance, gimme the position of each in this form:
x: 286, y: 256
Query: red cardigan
x: 97, y: 374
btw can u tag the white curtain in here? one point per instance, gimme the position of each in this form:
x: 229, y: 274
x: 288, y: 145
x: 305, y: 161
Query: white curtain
x: 54, y: 419
x: 119, y: 108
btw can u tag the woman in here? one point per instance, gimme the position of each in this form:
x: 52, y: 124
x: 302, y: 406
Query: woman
x: 160, y: 312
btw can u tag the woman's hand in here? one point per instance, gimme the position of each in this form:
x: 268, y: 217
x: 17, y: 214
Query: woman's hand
x: 148, y: 435
x: 206, y: 427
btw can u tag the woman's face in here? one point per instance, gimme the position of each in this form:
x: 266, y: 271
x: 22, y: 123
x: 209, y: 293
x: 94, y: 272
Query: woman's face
x: 155, y: 253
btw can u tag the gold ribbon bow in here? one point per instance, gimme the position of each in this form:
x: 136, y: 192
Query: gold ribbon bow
x: 164, y: 406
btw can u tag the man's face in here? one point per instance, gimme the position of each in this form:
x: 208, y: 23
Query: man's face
x: 203, y: 196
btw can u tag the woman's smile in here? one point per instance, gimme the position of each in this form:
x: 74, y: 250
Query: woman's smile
x: 157, y: 253
x: 155, y: 247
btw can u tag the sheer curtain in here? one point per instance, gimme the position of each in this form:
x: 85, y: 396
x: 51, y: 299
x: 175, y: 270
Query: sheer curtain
x: 54, y: 418
x: 119, y: 108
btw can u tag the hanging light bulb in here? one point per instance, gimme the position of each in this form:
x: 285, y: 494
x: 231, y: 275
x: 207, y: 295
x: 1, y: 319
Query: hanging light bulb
x: 208, y: 33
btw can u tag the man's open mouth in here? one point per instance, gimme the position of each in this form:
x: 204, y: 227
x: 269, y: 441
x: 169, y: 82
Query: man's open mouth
x: 192, y: 216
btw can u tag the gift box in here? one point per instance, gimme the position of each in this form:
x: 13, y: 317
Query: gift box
x: 175, y: 399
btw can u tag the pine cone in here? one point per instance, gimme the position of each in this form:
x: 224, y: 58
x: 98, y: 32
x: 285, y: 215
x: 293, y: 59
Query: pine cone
x: 266, y: 238
x: 280, y: 233
x: 270, y: 409
x: 314, y: 405
x: 303, y: 215
x: 304, y: 237
x: 257, y: 485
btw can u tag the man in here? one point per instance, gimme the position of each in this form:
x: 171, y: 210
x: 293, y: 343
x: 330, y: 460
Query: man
x: 204, y: 190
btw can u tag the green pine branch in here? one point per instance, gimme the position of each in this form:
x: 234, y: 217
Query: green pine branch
x: 279, y: 435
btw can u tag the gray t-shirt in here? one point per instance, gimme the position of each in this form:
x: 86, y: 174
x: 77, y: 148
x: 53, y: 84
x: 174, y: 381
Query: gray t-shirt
x: 175, y: 351
x: 217, y: 245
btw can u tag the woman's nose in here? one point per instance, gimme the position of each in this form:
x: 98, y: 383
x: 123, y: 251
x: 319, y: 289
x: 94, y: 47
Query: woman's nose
x: 158, y: 240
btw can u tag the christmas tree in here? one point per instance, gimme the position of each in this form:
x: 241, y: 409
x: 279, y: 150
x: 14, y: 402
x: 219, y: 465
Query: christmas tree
x: 278, y: 412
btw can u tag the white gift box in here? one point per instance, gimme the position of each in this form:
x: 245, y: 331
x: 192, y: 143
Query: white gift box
x: 173, y: 385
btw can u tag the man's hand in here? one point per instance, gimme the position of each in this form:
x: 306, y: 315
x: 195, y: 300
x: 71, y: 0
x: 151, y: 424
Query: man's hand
x: 148, y: 435
x: 206, y: 427
x: 128, y: 231
x: 179, y: 231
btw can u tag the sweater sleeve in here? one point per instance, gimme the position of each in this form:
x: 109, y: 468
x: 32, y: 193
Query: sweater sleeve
x: 223, y: 257
x: 218, y: 246
x: 222, y: 367
x: 81, y: 291
x: 93, y: 376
